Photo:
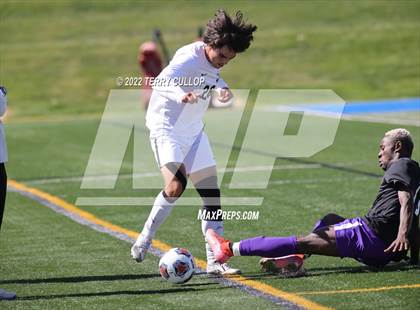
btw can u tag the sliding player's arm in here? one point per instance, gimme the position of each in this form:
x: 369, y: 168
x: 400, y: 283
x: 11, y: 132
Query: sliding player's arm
x: 401, y: 243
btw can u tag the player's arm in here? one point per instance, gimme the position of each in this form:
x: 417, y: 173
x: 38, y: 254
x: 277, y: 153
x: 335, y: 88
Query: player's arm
x: 401, y: 243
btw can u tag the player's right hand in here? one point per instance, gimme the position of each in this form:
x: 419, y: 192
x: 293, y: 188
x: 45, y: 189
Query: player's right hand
x: 189, y: 98
x: 399, y: 244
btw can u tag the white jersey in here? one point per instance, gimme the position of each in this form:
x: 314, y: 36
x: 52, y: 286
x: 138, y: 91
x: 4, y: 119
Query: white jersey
x: 189, y: 70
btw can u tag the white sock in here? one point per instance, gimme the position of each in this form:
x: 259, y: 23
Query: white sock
x: 210, y: 254
x: 235, y: 249
x: 160, y: 211
x: 217, y: 226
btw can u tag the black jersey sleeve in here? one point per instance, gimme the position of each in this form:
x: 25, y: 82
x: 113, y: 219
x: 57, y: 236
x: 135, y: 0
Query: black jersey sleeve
x: 403, y: 174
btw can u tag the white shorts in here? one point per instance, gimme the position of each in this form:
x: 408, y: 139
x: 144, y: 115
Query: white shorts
x: 194, y: 152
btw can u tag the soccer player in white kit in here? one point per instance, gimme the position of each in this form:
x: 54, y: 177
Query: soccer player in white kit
x: 180, y: 97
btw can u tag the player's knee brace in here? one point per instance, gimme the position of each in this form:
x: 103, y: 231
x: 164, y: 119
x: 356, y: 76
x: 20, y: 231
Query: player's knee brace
x: 210, y: 193
x: 212, y: 213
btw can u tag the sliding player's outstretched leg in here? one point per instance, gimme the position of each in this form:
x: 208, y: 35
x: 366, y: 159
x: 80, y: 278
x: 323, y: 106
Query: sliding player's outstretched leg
x: 259, y: 246
x: 290, y: 265
x: 176, y: 181
x: 281, y: 254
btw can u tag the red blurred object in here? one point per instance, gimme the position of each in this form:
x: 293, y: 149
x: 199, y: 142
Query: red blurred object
x: 150, y: 63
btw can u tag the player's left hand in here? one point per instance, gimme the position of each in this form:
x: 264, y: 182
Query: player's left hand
x: 399, y: 244
x: 189, y: 97
x: 225, y: 95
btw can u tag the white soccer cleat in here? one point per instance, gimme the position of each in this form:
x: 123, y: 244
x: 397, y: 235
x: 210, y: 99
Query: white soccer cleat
x: 140, y: 248
x: 221, y: 269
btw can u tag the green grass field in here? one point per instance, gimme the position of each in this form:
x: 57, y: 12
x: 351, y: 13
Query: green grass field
x: 59, y: 62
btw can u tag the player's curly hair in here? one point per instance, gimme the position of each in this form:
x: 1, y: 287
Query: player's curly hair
x: 234, y: 33
x: 404, y: 136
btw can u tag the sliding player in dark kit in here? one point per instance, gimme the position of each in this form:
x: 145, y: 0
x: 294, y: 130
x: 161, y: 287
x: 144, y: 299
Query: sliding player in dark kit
x: 385, y: 234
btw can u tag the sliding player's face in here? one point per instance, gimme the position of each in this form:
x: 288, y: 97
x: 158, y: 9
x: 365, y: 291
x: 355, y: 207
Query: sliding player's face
x: 386, y: 152
x: 219, y: 57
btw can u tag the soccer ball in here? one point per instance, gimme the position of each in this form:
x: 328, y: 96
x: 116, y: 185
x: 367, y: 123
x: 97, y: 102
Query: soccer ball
x: 177, y: 266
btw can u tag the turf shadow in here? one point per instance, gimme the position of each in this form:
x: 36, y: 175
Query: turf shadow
x: 82, y: 279
x: 258, y: 275
x: 112, y: 293
x: 314, y: 272
x: 360, y: 269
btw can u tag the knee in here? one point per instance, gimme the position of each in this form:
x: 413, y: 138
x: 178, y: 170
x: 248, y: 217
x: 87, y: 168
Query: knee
x: 304, y: 243
x: 174, y: 189
x: 331, y: 219
x: 305, y: 240
x: 311, y: 243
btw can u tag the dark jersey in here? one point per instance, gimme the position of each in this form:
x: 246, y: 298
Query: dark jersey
x: 384, y: 216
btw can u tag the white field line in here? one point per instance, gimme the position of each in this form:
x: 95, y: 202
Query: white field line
x: 157, y: 174
x: 148, y: 201
x: 304, y: 181
x: 196, y: 201
x: 280, y: 298
x: 371, y: 117
x: 383, y: 120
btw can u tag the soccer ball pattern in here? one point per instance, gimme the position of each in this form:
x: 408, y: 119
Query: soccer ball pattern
x: 177, y: 266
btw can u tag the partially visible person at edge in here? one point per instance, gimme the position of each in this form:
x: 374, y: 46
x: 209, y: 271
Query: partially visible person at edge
x: 4, y: 295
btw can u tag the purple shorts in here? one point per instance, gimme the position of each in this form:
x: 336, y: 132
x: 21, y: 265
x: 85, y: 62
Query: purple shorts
x: 356, y: 240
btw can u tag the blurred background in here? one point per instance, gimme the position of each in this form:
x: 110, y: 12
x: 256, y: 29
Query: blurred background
x: 61, y: 58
